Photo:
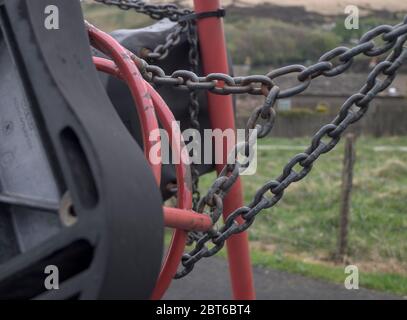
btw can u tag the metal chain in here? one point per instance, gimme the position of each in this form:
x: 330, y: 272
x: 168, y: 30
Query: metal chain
x: 322, y: 142
x: 173, y: 39
x: 154, y: 11
x: 193, y: 58
x: 157, y: 12
x: 331, y: 64
x: 261, y: 122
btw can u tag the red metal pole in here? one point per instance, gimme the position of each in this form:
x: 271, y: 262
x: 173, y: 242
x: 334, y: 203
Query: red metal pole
x: 186, y: 219
x: 214, y: 58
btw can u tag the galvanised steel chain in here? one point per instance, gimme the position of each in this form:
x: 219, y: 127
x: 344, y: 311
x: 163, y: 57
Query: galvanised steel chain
x: 394, y: 38
x: 154, y: 11
x: 161, y: 51
x: 193, y: 58
x: 219, y: 83
x: 157, y: 12
x: 301, y: 164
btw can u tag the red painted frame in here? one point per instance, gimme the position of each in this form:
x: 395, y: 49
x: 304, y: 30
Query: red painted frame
x: 214, y: 57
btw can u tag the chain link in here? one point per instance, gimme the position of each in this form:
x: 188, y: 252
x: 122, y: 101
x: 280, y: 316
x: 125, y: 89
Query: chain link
x: 322, y: 142
x: 157, y: 12
x: 193, y: 58
x: 161, y: 51
x: 154, y: 11
x: 261, y: 121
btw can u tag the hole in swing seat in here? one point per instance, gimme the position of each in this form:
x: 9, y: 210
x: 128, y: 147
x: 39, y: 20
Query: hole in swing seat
x: 80, y: 168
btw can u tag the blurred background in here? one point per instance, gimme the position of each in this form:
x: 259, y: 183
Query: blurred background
x: 301, y: 234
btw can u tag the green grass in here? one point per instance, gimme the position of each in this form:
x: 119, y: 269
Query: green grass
x: 389, y: 282
x: 381, y: 281
x: 305, y: 222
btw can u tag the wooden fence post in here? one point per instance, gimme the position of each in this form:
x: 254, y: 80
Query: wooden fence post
x: 347, y: 182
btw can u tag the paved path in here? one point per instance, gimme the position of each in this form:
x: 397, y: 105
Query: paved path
x: 210, y: 280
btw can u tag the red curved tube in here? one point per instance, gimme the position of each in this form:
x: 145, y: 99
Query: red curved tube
x: 132, y: 76
x: 178, y: 242
x: 186, y: 220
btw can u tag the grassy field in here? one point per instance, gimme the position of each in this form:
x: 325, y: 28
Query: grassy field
x: 300, y: 233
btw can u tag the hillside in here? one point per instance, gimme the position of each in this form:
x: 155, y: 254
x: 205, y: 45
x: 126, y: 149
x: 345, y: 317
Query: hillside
x: 329, y: 7
x: 263, y: 32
